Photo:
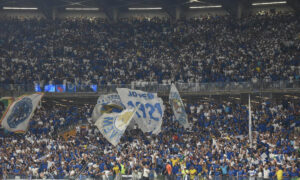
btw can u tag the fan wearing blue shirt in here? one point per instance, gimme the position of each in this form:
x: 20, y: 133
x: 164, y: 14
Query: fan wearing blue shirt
x: 240, y: 173
x: 217, y: 173
x: 175, y: 169
x: 285, y: 174
x: 224, y: 168
x: 232, y: 172
x: 294, y: 174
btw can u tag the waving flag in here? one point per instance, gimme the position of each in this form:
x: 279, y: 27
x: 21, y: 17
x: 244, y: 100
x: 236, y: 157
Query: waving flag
x: 151, y: 109
x: 178, y: 107
x: 17, y: 117
x: 113, y: 125
x: 5, y: 102
x: 107, y: 104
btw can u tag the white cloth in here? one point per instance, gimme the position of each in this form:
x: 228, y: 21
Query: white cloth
x: 266, y: 173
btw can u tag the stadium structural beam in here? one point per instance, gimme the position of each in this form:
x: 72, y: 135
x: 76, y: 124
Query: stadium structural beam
x: 178, y: 12
x: 243, y: 8
x: 54, y: 13
x: 236, y: 8
x: 46, y: 8
x: 173, y: 9
x: 111, y: 13
x: 295, y: 4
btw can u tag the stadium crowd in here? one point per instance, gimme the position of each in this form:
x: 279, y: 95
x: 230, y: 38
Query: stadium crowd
x: 208, y: 49
x: 215, y: 147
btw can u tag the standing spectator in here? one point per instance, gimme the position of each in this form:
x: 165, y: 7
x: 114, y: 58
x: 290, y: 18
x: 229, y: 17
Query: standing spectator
x: 169, y: 170
x: 193, y: 172
x: 224, y: 168
x: 266, y: 172
x: 279, y: 173
x: 252, y: 173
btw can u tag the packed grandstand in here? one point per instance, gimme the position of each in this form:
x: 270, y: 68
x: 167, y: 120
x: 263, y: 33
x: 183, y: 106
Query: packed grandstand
x: 215, y: 145
x: 61, y: 140
x: 214, y: 49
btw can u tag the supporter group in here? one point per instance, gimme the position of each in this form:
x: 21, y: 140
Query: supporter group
x: 215, y: 146
x: 208, y: 49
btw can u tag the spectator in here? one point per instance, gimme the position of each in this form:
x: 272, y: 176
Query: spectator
x: 142, y: 52
x: 216, y: 145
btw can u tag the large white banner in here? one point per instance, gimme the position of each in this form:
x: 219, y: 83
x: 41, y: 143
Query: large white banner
x: 20, y: 112
x: 113, y: 125
x: 107, y: 104
x: 178, y: 107
x: 150, y: 113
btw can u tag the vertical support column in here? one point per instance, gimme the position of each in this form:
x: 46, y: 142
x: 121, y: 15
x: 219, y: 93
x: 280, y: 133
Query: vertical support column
x: 177, y: 13
x: 243, y: 8
x: 271, y: 95
x: 115, y: 14
x: 240, y: 9
x: 54, y: 12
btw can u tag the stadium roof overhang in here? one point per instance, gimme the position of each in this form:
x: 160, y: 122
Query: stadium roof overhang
x: 109, y: 7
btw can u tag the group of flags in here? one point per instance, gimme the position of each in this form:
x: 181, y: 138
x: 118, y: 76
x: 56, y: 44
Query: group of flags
x: 112, y: 114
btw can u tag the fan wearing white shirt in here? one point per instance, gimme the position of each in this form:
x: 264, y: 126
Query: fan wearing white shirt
x: 266, y: 172
x: 106, y: 174
x: 146, y: 171
x: 252, y: 173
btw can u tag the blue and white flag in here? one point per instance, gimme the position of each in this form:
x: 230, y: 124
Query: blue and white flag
x: 107, y: 104
x: 178, y: 107
x: 151, y: 111
x: 20, y: 112
x: 109, y: 99
x: 113, y: 125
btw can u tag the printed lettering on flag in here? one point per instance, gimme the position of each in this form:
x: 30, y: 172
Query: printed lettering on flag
x: 151, y: 109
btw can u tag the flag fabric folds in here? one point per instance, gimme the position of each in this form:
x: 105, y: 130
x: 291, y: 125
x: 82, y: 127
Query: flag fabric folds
x: 150, y: 112
x: 19, y: 113
x: 97, y: 112
x: 5, y: 102
x: 107, y: 104
x: 113, y: 125
x: 178, y: 107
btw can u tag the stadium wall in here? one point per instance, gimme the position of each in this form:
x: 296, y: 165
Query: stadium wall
x: 190, y: 13
x: 268, y: 9
x: 21, y: 14
x: 74, y: 14
x: 204, y: 12
x: 146, y: 14
x: 126, y: 14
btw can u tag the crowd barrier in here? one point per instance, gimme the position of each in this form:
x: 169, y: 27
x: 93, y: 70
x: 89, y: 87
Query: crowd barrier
x: 159, y: 177
x: 152, y: 87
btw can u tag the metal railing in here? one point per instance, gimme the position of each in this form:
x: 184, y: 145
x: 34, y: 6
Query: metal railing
x: 8, y: 89
x: 137, y: 177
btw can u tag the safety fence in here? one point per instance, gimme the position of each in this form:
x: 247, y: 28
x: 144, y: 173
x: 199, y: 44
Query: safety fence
x: 140, y: 177
x: 150, y: 87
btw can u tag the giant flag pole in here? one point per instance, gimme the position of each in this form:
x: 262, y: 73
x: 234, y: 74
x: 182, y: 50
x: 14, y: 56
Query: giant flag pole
x: 250, y: 123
